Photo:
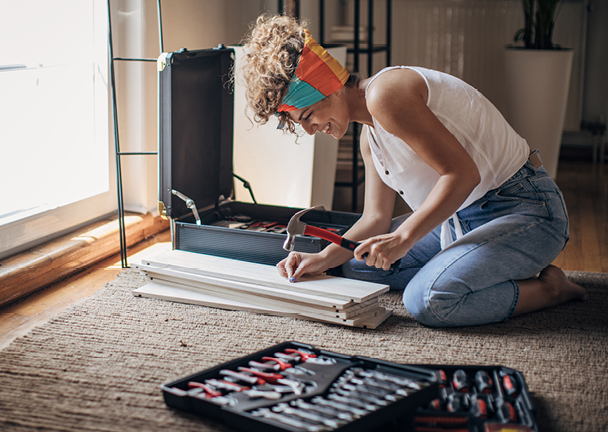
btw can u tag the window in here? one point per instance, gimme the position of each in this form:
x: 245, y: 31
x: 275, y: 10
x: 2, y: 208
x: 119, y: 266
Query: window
x: 54, y: 146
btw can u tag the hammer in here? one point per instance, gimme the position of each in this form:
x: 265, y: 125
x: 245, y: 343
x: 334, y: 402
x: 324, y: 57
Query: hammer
x: 297, y: 227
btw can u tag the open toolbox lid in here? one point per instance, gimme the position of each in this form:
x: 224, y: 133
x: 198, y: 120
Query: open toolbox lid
x: 196, y: 110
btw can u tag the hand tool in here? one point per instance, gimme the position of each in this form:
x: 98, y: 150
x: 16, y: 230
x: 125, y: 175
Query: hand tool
x: 177, y: 391
x: 322, y: 410
x: 443, y: 379
x: 307, y: 415
x: 506, y: 412
x: 368, y: 390
x: 436, y: 405
x: 206, y: 388
x: 352, y: 401
x: 321, y: 360
x: 439, y: 404
x: 479, y: 408
x: 289, y: 358
x: 265, y: 366
x: 510, y: 386
x: 523, y: 413
x: 225, y: 385
x: 302, y: 353
x: 458, y: 402
x: 196, y: 391
x: 274, y: 378
x: 252, y: 380
x: 274, y: 366
x: 282, y: 364
x: 389, y: 387
x: 268, y: 414
x: 362, y: 396
x: 221, y: 400
x: 356, y: 412
x: 254, y: 394
x: 280, y: 388
x: 299, y: 370
x: 400, y: 380
x: 460, y: 380
x: 278, y: 229
x: 488, y: 399
x: 297, y: 227
x: 484, y: 382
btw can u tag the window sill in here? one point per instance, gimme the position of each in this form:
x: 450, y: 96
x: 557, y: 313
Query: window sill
x: 41, y: 266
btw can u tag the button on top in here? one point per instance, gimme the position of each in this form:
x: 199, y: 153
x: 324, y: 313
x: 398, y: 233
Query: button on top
x: 386, y: 172
x: 401, y: 192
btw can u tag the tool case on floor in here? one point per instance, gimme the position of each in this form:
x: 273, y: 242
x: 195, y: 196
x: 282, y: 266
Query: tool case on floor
x: 478, y: 399
x: 305, y: 389
x: 354, y: 393
x: 196, y: 110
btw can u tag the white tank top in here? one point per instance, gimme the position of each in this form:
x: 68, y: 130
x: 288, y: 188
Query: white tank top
x: 497, y: 150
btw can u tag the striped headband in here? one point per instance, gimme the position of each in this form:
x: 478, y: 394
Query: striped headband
x: 317, y: 75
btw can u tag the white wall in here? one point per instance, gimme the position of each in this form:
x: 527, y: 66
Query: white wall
x: 197, y: 24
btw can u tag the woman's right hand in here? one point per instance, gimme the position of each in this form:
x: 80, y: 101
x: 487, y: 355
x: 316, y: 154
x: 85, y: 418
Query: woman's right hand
x: 297, y: 264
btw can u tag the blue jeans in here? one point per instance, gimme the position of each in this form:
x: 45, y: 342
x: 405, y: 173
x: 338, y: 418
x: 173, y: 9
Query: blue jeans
x: 510, y: 234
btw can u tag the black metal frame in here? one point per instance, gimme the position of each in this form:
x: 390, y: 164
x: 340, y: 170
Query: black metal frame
x: 356, y: 179
x: 118, y: 153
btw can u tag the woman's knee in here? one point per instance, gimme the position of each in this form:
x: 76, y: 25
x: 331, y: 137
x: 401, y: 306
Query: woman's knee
x: 433, y: 304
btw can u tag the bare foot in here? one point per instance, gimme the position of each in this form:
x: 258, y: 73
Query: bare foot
x: 551, y: 288
x: 561, y: 288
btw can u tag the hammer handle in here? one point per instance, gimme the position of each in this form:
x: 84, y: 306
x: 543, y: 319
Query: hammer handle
x: 339, y: 240
x: 330, y: 236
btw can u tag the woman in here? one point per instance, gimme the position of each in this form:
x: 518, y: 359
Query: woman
x: 487, y: 218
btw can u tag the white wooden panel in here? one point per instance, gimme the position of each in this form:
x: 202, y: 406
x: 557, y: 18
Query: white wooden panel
x: 183, y: 295
x: 240, y: 271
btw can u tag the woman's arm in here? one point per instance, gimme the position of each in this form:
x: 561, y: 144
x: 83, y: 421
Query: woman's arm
x: 376, y: 219
x: 397, y: 100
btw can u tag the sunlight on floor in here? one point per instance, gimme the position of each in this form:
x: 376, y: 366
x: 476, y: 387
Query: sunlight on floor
x: 150, y: 251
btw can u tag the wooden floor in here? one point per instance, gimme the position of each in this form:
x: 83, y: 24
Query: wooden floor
x: 585, y: 187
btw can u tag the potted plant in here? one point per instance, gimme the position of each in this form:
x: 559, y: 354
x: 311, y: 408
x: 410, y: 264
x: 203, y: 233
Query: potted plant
x: 537, y: 81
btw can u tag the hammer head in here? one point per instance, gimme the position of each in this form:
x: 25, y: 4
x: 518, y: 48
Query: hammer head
x: 295, y: 227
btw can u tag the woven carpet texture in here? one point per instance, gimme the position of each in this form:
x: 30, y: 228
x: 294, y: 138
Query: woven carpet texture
x: 99, y: 365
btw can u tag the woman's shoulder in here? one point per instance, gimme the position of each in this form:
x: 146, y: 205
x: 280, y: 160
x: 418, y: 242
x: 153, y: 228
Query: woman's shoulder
x: 397, y: 84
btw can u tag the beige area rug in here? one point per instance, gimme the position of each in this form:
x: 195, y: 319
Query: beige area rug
x: 99, y: 365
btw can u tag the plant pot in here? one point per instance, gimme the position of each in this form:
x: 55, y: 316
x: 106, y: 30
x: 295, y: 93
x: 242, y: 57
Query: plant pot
x: 537, y: 83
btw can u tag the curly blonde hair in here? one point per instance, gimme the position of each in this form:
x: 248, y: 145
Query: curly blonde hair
x: 273, y: 49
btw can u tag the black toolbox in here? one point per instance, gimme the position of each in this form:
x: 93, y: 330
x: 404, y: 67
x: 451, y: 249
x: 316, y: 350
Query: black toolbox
x: 331, y: 392
x: 355, y: 393
x: 196, y: 179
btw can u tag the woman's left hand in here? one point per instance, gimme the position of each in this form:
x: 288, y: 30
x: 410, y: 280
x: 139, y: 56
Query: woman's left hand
x: 382, y: 250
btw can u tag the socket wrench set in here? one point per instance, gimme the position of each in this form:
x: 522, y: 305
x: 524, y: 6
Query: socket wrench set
x: 478, y: 399
x: 296, y: 387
